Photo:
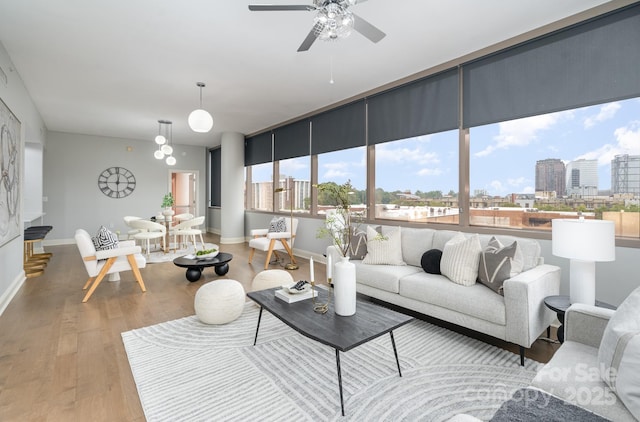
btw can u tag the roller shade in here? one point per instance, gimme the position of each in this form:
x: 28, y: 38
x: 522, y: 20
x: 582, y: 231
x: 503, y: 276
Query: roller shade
x: 258, y: 149
x: 589, y: 63
x: 428, y: 105
x: 291, y: 141
x: 340, y: 128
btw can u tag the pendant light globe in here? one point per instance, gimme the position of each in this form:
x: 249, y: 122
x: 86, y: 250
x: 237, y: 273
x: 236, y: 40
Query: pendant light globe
x: 199, y: 119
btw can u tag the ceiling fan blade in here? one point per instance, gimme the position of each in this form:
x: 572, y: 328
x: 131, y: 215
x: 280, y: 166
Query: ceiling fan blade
x: 311, y: 37
x: 366, y: 29
x: 279, y: 7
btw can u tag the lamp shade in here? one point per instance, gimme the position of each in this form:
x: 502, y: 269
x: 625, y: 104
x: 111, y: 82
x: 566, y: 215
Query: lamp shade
x: 166, y: 149
x: 158, y: 154
x: 200, y: 121
x: 161, y: 140
x: 171, y: 160
x: 586, y: 240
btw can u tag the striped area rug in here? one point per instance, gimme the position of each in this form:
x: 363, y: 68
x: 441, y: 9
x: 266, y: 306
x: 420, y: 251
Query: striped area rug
x: 188, y: 371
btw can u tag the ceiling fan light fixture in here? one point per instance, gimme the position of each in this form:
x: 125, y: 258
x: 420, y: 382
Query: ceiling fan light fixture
x: 333, y: 21
x: 200, y: 120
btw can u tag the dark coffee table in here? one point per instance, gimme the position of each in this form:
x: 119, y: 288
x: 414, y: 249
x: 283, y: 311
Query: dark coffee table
x: 342, y: 333
x: 195, y: 266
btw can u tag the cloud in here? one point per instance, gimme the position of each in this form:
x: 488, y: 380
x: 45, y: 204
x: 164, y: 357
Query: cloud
x: 528, y: 189
x: 522, y: 132
x: 429, y: 172
x: 517, y: 182
x: 294, y: 165
x: 496, y: 186
x: 387, y: 154
x: 607, y: 111
x: 627, y: 142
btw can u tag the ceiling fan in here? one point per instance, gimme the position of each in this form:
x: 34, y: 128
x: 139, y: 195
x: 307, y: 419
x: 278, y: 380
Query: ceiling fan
x: 333, y: 20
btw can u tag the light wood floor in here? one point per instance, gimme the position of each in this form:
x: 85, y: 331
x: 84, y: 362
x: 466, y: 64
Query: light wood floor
x: 63, y: 360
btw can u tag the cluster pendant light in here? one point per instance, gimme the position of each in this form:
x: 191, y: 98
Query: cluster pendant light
x: 200, y: 120
x: 165, y: 142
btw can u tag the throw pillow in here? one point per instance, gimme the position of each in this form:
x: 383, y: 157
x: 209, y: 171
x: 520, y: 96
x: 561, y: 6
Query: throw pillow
x: 619, y: 353
x: 278, y: 225
x: 431, y: 261
x: 358, y: 245
x: 383, y: 250
x: 460, y: 259
x: 499, y: 263
x: 105, y: 239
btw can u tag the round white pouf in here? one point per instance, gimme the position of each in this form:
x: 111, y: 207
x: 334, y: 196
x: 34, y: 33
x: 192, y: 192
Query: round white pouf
x: 270, y: 278
x: 219, y: 302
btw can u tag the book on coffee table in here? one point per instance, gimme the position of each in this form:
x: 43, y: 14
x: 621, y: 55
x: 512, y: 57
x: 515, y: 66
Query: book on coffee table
x: 285, y: 296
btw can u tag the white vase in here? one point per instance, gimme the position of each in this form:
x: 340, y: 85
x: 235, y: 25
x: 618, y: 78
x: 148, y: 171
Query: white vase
x: 344, y: 287
x: 168, y: 212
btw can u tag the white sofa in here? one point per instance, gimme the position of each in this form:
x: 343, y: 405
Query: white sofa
x: 519, y: 316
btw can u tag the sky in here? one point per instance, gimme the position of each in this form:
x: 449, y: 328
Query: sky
x: 503, y: 155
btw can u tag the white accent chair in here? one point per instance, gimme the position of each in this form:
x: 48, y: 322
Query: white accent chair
x: 131, y: 232
x: 148, y: 231
x: 272, y: 242
x: 187, y: 229
x: 126, y: 257
x: 183, y: 217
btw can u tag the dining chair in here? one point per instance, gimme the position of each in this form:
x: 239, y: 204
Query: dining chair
x: 148, y: 231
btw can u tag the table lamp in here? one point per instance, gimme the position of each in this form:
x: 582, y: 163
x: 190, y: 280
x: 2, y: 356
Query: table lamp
x: 584, y: 242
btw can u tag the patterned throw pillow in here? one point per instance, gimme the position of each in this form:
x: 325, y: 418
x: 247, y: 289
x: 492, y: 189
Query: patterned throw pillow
x: 358, y: 245
x: 105, y: 239
x: 460, y: 258
x: 499, y: 263
x: 278, y: 225
x: 383, y: 250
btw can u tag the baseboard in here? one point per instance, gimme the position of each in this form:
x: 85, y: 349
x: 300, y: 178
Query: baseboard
x: 8, y: 294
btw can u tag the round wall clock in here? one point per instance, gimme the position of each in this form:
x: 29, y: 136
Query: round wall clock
x: 116, y: 182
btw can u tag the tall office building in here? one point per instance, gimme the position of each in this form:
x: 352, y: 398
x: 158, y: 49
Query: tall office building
x: 625, y: 174
x: 550, y: 176
x: 582, y: 178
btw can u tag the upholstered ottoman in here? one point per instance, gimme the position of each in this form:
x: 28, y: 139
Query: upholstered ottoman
x: 219, y: 302
x: 268, y: 279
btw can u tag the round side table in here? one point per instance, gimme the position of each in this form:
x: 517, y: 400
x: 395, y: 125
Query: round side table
x: 560, y: 304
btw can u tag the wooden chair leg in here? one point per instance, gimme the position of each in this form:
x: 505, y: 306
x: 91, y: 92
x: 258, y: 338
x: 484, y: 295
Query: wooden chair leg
x: 136, y: 271
x: 269, y: 252
x: 87, y: 283
x: 99, y: 277
x: 251, y: 254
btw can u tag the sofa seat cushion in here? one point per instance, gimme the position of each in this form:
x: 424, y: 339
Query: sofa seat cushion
x: 573, y: 375
x: 383, y: 277
x: 477, y: 300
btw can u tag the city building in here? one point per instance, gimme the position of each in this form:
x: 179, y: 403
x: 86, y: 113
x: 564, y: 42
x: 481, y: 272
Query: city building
x: 550, y: 176
x: 582, y: 178
x: 625, y: 175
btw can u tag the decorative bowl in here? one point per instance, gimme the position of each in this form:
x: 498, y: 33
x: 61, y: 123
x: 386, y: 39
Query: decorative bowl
x: 209, y: 255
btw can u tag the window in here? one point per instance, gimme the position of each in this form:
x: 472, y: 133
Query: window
x: 294, y: 178
x: 215, y: 166
x: 525, y: 172
x: 417, y: 179
x: 262, y: 187
x: 342, y: 166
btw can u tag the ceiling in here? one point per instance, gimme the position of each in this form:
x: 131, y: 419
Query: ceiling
x: 113, y: 68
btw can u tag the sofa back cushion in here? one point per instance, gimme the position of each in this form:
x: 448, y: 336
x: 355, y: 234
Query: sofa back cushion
x: 415, y: 242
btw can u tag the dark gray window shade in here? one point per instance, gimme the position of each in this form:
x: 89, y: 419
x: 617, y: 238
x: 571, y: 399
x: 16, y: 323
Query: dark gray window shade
x: 257, y: 149
x: 590, y: 63
x: 215, y: 177
x: 428, y: 105
x: 340, y: 128
x: 291, y: 141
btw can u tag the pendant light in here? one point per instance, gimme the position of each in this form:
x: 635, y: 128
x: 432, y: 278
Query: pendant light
x: 200, y: 120
x: 165, y: 142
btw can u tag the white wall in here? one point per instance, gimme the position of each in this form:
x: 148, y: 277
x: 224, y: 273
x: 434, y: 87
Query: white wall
x: 72, y: 163
x: 16, y: 97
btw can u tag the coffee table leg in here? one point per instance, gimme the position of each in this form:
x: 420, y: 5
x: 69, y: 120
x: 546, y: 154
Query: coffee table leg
x: 222, y: 269
x: 395, y: 352
x: 193, y: 274
x: 340, y: 380
x: 258, y: 327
